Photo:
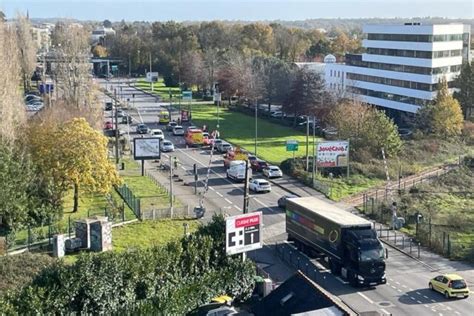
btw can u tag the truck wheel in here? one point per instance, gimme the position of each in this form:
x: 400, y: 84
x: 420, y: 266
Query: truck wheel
x: 335, y: 267
x: 352, y: 278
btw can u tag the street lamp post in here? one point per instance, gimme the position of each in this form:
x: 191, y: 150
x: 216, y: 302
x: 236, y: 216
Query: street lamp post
x: 256, y: 111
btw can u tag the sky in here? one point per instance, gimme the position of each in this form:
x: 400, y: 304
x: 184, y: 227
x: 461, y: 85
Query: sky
x: 248, y: 10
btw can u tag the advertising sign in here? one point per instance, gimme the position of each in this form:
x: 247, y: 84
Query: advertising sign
x: 187, y: 95
x: 332, y: 154
x: 146, y: 148
x: 151, y: 76
x: 291, y: 145
x: 243, y: 233
x: 184, y: 116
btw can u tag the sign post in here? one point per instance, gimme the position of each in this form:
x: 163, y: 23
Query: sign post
x: 243, y: 233
x: 292, y: 145
x: 146, y: 149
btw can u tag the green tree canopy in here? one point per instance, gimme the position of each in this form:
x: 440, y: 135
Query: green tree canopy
x: 465, y: 84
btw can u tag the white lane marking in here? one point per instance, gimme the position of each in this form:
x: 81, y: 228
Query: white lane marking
x: 341, y: 280
x: 393, y: 287
x: 238, y: 208
x: 212, y: 188
x: 410, y: 289
x: 419, y: 302
x: 218, y: 193
x: 365, y: 297
x: 457, y: 313
x: 425, y: 296
x: 385, y: 312
x: 404, y: 286
x: 390, y: 279
x: 418, y: 293
x: 427, y: 306
x: 397, y: 282
x: 183, y: 168
x: 228, y: 201
x: 449, y: 308
x: 400, y: 291
x: 413, y: 298
x: 433, y: 301
x: 440, y: 314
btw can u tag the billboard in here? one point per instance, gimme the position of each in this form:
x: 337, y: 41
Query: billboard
x: 184, y: 116
x: 151, y: 76
x: 243, y: 233
x: 332, y: 154
x: 146, y: 148
x: 187, y: 95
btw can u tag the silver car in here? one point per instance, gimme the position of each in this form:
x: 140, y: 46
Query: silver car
x: 166, y: 146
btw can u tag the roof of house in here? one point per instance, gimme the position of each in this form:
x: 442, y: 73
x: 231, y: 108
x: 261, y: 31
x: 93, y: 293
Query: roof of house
x: 299, y: 295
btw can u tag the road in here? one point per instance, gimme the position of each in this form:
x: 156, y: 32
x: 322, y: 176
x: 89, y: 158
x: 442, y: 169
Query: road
x: 406, y: 292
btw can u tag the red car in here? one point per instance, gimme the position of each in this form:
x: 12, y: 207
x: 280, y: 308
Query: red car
x: 258, y: 165
x: 108, y: 125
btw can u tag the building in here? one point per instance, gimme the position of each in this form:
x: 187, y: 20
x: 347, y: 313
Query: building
x: 99, y: 34
x: 403, y: 64
x: 42, y: 37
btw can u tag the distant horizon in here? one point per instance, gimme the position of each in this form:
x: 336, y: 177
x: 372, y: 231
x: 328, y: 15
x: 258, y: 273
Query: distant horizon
x: 236, y: 10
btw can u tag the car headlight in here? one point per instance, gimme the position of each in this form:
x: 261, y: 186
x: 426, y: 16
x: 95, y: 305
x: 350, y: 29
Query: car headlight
x: 360, y: 278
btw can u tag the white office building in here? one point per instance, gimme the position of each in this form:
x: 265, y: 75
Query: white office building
x: 402, y: 65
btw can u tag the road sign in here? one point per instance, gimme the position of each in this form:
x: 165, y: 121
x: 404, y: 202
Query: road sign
x: 243, y: 233
x: 151, y: 76
x: 216, y: 97
x: 291, y: 145
x: 187, y: 95
x: 184, y: 116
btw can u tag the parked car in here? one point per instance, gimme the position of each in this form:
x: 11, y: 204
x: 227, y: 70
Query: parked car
x: 216, y: 143
x: 282, y: 201
x: 277, y: 114
x: 259, y: 185
x: 272, y: 172
x: 108, y: 106
x: 405, y: 133
x: 251, y: 158
x: 451, y: 285
x: 142, y: 128
x: 31, y: 97
x: 108, y: 125
x: 171, y: 125
x: 127, y: 119
x: 120, y: 113
x: 224, y: 147
x: 158, y: 133
x: 166, y: 146
x: 330, y: 132
x: 258, y: 165
x: 178, y: 130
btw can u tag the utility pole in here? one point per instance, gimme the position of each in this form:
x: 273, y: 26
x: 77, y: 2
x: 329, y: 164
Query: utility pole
x: 195, y: 178
x: 256, y: 113
x: 151, y: 80
x: 307, y: 143
x: 129, y: 66
x: 216, y: 91
x: 171, y: 182
x: 246, y: 188
x: 116, y: 130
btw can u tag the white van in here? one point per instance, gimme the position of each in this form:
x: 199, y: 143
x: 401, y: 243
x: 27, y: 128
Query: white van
x: 236, y: 170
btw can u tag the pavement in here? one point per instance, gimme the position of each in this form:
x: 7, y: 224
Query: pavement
x: 406, y: 291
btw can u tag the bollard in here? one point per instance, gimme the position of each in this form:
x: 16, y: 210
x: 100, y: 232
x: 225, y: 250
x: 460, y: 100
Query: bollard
x: 395, y: 243
x: 403, y: 242
x: 418, y: 250
x: 411, y: 242
x: 380, y: 231
x: 388, y: 233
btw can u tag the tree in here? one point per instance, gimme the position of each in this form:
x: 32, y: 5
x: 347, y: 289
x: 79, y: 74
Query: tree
x: 307, y: 94
x: 192, y: 70
x: 27, y: 50
x: 99, y: 51
x: 444, y: 116
x: 465, y: 84
x: 107, y: 24
x: 2, y: 17
x: 74, y: 155
x: 367, y: 128
x: 12, y: 108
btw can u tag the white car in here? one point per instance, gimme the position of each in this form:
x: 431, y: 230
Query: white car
x: 166, y: 146
x: 157, y: 133
x: 178, y: 131
x: 259, y: 185
x: 224, y: 147
x: 272, y: 172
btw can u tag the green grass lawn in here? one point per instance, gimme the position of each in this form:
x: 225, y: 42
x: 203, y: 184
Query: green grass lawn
x: 239, y: 129
x: 150, y: 233
x: 159, y: 88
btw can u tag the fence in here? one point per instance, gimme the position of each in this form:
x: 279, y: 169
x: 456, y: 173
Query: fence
x: 132, y: 201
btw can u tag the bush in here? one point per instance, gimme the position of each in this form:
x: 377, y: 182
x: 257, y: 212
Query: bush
x: 174, y: 279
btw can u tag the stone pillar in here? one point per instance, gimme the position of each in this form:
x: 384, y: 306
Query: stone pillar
x: 58, y: 246
x: 83, y: 231
x: 101, y: 236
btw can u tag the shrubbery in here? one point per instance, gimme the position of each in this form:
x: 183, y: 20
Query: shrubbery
x: 170, y: 280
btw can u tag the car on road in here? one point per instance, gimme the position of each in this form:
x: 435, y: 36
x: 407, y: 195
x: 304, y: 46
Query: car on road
x: 178, y: 130
x: 157, y: 133
x: 451, y: 285
x: 282, y: 201
x: 166, y: 146
x: 272, y: 172
x: 108, y: 106
x: 120, y: 113
x: 259, y: 185
x: 258, y: 165
x: 127, y: 119
x: 171, y: 125
x: 216, y: 143
x: 108, y: 125
x: 142, y: 128
x: 224, y: 147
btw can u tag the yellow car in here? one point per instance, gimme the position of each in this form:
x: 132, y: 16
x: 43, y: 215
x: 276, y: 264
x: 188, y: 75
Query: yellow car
x: 451, y: 285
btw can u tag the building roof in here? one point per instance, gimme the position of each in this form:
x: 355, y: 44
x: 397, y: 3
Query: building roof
x: 312, y: 66
x: 329, y: 211
x: 299, y: 295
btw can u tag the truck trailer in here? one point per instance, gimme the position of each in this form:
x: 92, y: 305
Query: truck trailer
x: 348, y: 241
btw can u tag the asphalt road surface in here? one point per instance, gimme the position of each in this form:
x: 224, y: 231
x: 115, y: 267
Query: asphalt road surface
x: 406, y: 292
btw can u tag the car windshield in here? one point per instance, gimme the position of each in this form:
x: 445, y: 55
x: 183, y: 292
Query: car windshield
x: 167, y: 143
x: 274, y: 169
x: 263, y: 183
x: 371, y: 254
x: 458, y: 284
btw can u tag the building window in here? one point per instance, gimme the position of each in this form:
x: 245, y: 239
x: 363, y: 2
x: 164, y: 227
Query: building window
x: 413, y: 53
x: 414, y: 37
